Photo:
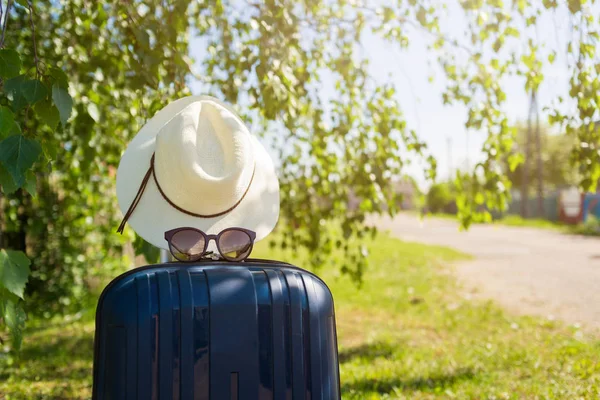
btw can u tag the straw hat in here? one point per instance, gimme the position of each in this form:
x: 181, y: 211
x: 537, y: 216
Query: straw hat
x: 195, y: 164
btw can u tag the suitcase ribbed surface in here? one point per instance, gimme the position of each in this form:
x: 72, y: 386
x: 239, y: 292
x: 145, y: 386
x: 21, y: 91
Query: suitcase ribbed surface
x: 216, y: 331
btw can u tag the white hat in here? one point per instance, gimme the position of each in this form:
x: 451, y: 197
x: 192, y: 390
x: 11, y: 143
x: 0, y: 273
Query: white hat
x: 195, y: 164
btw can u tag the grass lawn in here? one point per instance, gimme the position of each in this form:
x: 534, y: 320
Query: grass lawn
x: 515, y: 220
x: 510, y: 220
x: 408, y: 333
x: 587, y: 229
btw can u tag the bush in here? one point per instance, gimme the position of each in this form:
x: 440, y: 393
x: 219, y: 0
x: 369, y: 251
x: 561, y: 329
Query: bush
x: 440, y: 198
x: 591, y: 227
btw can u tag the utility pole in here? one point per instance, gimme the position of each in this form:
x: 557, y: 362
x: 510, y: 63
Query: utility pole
x: 525, y: 169
x: 450, y: 164
x: 540, y: 167
x: 468, y: 161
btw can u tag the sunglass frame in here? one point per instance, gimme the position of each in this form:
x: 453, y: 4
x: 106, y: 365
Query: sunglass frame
x: 207, y: 238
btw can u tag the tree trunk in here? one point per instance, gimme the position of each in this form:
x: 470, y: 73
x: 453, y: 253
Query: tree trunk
x: 525, y: 169
x: 540, y: 168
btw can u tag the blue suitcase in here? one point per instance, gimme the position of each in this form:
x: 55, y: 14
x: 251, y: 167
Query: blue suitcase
x: 216, y: 330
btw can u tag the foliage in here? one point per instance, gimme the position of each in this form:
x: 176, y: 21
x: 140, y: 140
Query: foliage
x: 590, y: 227
x: 557, y: 170
x: 408, y: 333
x: 440, y: 197
x: 14, y: 272
x: 79, y: 77
x: 67, y: 111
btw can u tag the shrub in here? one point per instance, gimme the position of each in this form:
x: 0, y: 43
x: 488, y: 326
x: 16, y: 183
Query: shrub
x: 440, y: 198
x: 591, y: 226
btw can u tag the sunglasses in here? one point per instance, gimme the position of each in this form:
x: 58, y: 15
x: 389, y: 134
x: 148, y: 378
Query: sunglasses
x: 190, y: 244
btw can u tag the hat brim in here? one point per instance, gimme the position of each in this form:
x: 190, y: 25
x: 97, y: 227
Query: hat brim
x: 153, y: 216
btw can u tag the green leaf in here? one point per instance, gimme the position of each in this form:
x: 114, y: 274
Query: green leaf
x: 18, y: 154
x: 63, y: 102
x: 15, y: 93
x: 141, y: 247
x: 30, y: 183
x: 422, y: 16
x: 93, y: 111
x: 479, y: 198
x: 7, y: 120
x: 574, y: 5
x: 50, y: 148
x: 34, y: 91
x: 48, y: 113
x: 14, y: 271
x: 6, y: 181
x: 60, y: 77
x: 511, y: 31
x: 8, y: 125
x: 10, y: 63
x: 14, y: 317
x: 514, y: 160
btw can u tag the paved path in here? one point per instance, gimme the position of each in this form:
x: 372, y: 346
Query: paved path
x: 527, y: 270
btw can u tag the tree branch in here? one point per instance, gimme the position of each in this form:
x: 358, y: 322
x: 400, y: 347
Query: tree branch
x: 422, y: 28
x: 35, y: 53
x: 373, y: 17
x: 1, y: 11
x: 7, y: 12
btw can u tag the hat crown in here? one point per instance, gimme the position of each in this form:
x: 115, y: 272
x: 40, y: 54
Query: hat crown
x: 198, y: 146
x: 204, y: 160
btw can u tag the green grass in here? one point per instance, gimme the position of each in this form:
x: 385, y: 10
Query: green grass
x: 515, y: 220
x: 434, y: 215
x: 511, y: 220
x: 590, y: 228
x: 408, y: 333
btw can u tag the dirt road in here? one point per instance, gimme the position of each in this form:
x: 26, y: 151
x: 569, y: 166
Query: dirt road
x: 527, y: 270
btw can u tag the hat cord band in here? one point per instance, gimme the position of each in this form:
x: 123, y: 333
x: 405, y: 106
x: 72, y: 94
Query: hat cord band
x: 144, y: 183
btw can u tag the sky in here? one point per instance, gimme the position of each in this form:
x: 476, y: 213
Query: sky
x: 441, y: 126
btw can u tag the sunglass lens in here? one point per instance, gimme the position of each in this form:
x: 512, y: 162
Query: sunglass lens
x: 187, y: 245
x: 235, y: 245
